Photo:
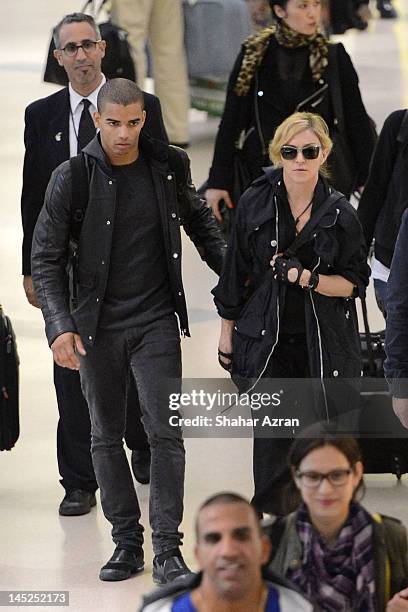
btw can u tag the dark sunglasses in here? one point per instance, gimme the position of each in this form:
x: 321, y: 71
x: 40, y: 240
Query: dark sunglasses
x: 290, y: 152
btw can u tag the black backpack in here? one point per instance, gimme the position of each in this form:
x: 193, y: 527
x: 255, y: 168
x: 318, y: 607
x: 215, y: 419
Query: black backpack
x: 9, y: 392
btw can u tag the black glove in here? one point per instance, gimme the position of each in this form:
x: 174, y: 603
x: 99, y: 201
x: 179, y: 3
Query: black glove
x: 282, y: 266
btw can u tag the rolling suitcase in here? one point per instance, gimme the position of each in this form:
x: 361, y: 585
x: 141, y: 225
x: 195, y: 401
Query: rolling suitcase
x: 383, y: 440
x: 9, y: 393
x: 213, y: 33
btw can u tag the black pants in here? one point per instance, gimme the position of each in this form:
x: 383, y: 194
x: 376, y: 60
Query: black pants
x: 74, y: 430
x: 272, y: 478
x: 152, y: 351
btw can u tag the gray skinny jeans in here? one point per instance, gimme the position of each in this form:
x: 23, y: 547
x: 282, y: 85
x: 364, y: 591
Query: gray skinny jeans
x: 154, y: 356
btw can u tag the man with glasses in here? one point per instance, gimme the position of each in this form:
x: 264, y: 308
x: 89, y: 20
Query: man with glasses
x: 56, y: 128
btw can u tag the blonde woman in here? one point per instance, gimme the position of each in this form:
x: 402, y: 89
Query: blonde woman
x: 295, y: 263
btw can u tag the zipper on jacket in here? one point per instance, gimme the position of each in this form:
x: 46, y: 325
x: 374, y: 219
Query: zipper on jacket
x: 322, y: 90
x: 277, y: 303
x: 320, y: 349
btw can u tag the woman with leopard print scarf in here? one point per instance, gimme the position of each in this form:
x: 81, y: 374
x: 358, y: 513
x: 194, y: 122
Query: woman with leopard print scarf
x: 285, y: 68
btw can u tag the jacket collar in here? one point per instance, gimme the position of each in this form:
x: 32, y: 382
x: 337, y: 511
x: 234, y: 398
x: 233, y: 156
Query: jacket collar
x: 154, y: 150
x: 272, y: 178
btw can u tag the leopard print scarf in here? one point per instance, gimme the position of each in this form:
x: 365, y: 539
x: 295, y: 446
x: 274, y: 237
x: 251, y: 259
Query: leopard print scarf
x: 256, y: 45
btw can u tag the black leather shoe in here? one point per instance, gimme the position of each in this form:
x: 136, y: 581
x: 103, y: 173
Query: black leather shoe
x: 173, y: 568
x: 122, y: 565
x: 141, y: 466
x: 77, y: 502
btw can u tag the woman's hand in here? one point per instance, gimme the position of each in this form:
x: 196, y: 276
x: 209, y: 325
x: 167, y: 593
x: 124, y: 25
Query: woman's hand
x: 214, y: 197
x: 287, y: 270
x: 399, y: 603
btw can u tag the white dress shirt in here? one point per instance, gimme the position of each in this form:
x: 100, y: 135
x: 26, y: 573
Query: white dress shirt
x: 76, y: 112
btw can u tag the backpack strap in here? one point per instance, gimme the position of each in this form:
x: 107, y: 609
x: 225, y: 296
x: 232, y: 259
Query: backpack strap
x: 79, y: 193
x: 79, y: 203
x: 177, y: 166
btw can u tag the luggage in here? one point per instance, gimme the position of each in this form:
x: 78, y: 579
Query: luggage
x: 373, y: 365
x: 383, y: 440
x: 116, y: 63
x: 213, y: 33
x: 9, y: 362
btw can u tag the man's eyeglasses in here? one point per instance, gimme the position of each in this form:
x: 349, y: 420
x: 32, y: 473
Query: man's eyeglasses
x: 87, y: 46
x: 337, y: 478
x: 290, y: 152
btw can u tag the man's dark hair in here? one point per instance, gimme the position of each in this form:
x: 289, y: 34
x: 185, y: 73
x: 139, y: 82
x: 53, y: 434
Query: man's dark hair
x: 225, y: 498
x: 74, y: 18
x: 120, y: 91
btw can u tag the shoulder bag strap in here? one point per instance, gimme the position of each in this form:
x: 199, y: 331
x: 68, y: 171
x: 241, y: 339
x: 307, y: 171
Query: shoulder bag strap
x: 85, y: 6
x: 335, y: 89
x: 304, y: 235
x: 387, y: 578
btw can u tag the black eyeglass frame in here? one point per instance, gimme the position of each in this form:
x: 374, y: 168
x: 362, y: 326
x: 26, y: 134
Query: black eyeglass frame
x: 290, y: 153
x: 91, y: 48
x: 329, y: 475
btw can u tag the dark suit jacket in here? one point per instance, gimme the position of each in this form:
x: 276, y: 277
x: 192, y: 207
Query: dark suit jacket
x: 46, y: 139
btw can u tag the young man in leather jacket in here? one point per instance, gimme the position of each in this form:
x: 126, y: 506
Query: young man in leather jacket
x: 129, y: 290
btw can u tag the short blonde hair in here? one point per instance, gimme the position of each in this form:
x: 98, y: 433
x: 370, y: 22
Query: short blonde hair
x: 294, y: 125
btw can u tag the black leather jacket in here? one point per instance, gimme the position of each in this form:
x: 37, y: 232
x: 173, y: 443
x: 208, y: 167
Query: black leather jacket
x: 256, y: 305
x: 178, y: 204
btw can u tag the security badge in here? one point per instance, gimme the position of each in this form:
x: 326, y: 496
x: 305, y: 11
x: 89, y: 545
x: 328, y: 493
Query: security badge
x: 58, y: 136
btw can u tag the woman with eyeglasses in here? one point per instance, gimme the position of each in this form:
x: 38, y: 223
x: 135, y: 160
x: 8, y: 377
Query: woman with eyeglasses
x: 285, y: 68
x: 295, y: 262
x: 332, y: 548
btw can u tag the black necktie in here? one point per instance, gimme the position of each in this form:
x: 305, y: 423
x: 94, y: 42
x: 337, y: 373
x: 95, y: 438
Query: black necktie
x: 86, y: 129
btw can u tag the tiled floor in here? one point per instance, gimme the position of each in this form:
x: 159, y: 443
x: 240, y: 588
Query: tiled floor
x: 38, y: 549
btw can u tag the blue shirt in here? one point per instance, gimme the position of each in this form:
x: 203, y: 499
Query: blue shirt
x: 183, y: 603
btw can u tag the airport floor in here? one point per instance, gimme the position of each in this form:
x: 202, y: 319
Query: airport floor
x: 39, y: 550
